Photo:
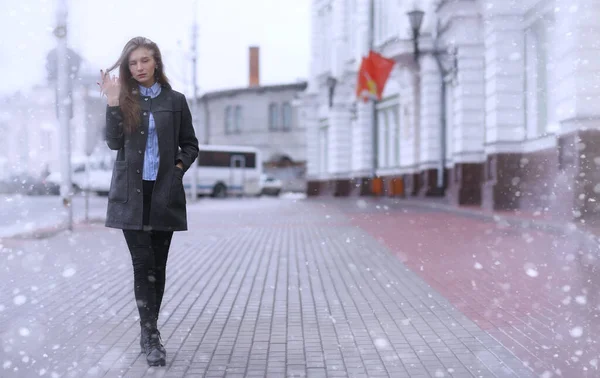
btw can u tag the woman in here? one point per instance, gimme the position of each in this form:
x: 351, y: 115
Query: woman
x: 150, y: 125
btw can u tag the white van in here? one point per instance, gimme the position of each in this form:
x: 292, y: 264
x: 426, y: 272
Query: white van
x: 94, y: 175
x: 226, y: 170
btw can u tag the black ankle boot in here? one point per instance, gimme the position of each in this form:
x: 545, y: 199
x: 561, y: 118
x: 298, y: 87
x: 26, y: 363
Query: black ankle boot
x: 151, y: 346
x: 160, y: 345
x: 144, y: 336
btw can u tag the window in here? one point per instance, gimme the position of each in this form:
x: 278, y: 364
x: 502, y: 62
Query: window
x: 388, y: 141
x: 238, y: 119
x: 223, y: 158
x: 228, y: 120
x: 540, y: 101
x: 349, y: 29
x: 273, y: 117
x: 286, y: 112
x: 394, y: 120
x: 382, y: 138
x: 386, y: 16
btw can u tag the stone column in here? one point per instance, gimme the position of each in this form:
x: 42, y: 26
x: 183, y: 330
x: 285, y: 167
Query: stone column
x: 429, y: 125
x: 311, y: 120
x: 577, y: 83
x: 505, y: 116
x: 310, y: 106
x: 340, y: 147
x: 409, y: 130
x: 466, y: 117
x: 362, y: 132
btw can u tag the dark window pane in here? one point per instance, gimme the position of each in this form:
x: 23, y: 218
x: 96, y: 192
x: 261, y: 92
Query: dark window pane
x: 223, y: 158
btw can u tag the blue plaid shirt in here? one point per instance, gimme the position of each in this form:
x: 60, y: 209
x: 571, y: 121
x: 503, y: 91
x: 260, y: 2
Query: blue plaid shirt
x: 151, y: 157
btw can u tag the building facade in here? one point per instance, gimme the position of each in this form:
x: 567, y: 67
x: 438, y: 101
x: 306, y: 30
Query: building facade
x: 263, y: 116
x: 504, y: 119
x: 29, y: 124
x: 260, y: 116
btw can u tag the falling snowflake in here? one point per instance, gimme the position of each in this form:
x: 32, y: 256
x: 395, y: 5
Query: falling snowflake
x: 576, y: 332
x: 19, y: 300
x: 68, y: 272
x: 531, y: 270
x: 581, y: 299
x: 381, y: 343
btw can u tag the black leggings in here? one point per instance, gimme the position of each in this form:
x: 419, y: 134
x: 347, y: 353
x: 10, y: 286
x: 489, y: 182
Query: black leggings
x: 149, y: 252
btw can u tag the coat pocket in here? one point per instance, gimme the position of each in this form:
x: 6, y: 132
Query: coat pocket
x: 119, y: 184
x: 177, y: 193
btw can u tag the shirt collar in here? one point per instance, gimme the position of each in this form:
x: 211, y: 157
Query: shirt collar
x: 153, y: 91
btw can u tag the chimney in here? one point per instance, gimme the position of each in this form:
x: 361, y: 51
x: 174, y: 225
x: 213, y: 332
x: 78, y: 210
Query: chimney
x: 254, y: 74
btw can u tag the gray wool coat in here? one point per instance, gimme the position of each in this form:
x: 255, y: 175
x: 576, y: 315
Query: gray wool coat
x: 176, y: 142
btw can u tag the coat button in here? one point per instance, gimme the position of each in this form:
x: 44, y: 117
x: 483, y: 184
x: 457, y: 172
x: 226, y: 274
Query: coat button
x: 142, y: 132
x: 140, y: 152
x: 146, y: 99
x: 139, y: 191
x: 145, y: 113
x: 137, y: 170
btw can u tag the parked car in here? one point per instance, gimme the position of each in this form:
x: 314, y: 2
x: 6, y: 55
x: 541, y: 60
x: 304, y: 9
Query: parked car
x: 270, y: 185
x: 97, y: 180
x: 28, y: 185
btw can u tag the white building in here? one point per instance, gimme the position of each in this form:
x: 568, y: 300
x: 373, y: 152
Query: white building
x: 262, y: 116
x: 513, y: 124
x: 31, y: 133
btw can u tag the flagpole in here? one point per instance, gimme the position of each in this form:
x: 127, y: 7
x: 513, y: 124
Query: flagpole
x: 375, y: 131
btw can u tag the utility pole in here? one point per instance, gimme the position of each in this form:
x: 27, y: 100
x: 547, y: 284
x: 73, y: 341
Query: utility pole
x: 194, y: 190
x: 63, y: 105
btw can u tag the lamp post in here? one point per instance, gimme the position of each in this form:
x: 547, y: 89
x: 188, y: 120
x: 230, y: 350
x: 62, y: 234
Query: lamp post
x: 194, y: 191
x: 415, y: 18
x: 331, y: 83
x: 63, y: 105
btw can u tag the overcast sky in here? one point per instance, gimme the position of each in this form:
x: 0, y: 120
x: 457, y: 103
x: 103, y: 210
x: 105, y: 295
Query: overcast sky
x: 98, y: 30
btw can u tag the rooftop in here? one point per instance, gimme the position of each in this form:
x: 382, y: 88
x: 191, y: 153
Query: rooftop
x: 299, y: 86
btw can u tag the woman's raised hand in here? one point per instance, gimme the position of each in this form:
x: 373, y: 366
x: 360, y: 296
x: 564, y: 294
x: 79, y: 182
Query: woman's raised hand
x: 109, y: 86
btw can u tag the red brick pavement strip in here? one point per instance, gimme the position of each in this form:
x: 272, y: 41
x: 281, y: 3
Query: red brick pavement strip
x: 527, y: 288
x: 256, y: 288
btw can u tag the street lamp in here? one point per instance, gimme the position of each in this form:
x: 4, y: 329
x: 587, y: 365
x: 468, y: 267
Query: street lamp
x: 331, y: 83
x: 415, y: 18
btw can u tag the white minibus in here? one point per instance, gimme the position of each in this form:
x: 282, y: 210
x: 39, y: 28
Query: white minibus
x: 226, y: 171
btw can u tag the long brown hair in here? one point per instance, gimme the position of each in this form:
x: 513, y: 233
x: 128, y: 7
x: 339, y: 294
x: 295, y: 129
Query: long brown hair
x: 130, y: 94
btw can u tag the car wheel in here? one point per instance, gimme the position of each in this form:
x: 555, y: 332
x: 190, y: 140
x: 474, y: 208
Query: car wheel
x: 219, y: 191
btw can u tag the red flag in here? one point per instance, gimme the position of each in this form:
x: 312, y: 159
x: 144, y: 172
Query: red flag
x: 366, y: 87
x: 372, y: 76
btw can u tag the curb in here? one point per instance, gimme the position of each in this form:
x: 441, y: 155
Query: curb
x: 565, y: 228
x: 50, y: 231
x: 586, y: 237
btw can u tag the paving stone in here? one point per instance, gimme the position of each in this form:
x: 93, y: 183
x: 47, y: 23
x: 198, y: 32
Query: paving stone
x: 256, y: 288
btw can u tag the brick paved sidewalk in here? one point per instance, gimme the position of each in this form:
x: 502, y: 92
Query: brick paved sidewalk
x: 535, y: 291
x: 258, y: 288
